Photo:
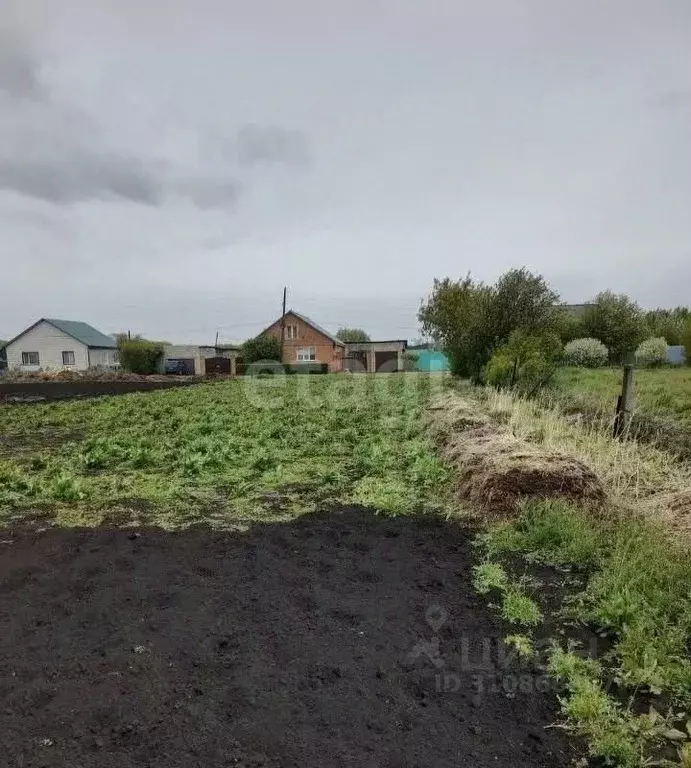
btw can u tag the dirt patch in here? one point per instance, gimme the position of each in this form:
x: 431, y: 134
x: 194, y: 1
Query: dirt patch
x: 496, y: 470
x: 92, y: 374
x: 128, y: 513
x: 41, y: 391
x: 342, y: 639
x: 47, y: 439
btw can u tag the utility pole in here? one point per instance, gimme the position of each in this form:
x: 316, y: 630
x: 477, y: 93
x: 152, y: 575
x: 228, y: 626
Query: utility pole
x: 283, y: 321
x: 216, y: 343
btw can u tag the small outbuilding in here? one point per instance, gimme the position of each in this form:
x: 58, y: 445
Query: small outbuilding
x: 195, y: 360
x: 374, y: 356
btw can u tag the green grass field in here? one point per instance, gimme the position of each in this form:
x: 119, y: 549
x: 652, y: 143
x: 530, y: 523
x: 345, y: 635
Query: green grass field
x: 665, y: 391
x: 222, y: 453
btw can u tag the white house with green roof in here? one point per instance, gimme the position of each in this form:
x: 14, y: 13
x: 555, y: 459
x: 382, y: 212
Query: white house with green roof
x: 61, y: 344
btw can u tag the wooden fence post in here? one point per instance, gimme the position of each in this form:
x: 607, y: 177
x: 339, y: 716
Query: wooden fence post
x: 622, y: 419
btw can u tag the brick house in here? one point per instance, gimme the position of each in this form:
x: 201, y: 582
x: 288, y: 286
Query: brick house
x: 307, y: 342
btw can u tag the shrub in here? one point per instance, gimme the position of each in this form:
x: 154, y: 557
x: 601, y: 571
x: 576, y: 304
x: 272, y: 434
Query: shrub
x: 586, y: 353
x: 652, y: 352
x: 264, y: 347
x: 525, y: 361
x: 140, y: 355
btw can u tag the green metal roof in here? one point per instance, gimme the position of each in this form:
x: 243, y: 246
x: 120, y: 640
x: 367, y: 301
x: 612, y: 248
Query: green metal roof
x: 83, y: 332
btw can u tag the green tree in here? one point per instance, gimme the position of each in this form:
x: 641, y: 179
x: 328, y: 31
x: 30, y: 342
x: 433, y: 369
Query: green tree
x: 139, y: 355
x: 686, y: 340
x: 667, y: 323
x: 524, y: 301
x: 263, y: 347
x: 617, y: 321
x: 352, y: 334
x: 451, y: 317
x: 569, y: 325
x: 661, y: 323
x: 526, y: 361
x: 471, y: 320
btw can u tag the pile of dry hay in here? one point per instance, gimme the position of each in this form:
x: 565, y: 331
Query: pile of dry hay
x: 496, y: 470
x: 674, y: 511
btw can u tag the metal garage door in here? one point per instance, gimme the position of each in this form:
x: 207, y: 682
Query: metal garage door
x: 218, y: 365
x: 355, y: 362
x: 182, y: 366
x: 385, y: 362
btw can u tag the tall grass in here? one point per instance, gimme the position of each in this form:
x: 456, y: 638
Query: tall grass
x: 631, y: 470
x: 662, y: 403
x: 663, y: 391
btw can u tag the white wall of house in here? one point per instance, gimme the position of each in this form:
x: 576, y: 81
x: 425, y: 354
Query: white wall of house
x: 50, y: 343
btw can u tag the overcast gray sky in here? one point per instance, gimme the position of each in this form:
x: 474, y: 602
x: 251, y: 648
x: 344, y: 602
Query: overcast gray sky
x: 168, y: 165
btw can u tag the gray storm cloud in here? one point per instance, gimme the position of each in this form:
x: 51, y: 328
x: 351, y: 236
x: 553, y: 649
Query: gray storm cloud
x: 17, y: 71
x: 151, y: 176
x: 51, y: 151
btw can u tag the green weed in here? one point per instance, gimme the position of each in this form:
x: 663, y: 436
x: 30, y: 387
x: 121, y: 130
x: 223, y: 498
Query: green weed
x: 66, y: 487
x: 522, y: 644
x: 549, y: 532
x: 209, y: 452
x: 637, y: 592
x: 489, y: 576
x: 519, y: 608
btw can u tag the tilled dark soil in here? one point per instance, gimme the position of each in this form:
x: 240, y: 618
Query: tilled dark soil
x: 40, y: 391
x: 343, y: 639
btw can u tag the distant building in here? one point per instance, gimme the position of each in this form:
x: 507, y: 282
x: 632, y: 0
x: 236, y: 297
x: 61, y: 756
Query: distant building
x: 51, y: 344
x: 676, y: 355
x: 375, y: 356
x: 576, y: 309
x: 196, y: 360
x: 306, y: 342
x: 431, y: 361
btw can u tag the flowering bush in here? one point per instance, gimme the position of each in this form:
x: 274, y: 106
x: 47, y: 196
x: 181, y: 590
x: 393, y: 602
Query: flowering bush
x: 586, y: 353
x: 652, y: 352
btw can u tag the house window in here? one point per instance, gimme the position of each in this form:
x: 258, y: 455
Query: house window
x: 30, y: 358
x: 291, y: 331
x: 306, y: 353
x: 68, y: 358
